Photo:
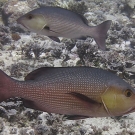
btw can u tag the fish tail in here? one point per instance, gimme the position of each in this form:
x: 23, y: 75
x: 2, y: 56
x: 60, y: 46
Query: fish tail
x: 100, y: 33
x: 5, y: 82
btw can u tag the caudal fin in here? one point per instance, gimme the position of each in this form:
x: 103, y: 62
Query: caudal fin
x: 5, y: 81
x: 100, y: 33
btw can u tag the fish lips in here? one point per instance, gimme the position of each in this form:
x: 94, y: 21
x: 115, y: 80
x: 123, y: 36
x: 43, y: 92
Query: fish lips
x: 19, y: 21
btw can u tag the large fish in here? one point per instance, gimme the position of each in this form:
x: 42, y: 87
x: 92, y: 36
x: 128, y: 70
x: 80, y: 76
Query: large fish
x: 57, y: 22
x: 79, y: 92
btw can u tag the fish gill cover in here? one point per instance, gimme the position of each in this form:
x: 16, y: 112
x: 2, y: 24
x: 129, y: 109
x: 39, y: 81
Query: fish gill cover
x: 23, y: 52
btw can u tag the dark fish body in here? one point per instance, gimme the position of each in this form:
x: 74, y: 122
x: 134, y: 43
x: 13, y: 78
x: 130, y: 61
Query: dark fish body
x: 77, y: 91
x: 58, y: 22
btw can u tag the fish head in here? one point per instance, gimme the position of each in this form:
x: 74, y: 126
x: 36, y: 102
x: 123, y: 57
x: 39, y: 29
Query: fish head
x: 119, y: 98
x: 33, y: 21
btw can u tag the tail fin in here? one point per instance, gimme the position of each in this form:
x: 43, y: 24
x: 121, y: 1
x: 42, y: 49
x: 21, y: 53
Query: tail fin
x: 5, y: 81
x: 100, y: 33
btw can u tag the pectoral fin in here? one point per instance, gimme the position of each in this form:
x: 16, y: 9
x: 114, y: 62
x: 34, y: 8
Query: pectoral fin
x: 51, y: 37
x: 48, y: 28
x: 88, y: 101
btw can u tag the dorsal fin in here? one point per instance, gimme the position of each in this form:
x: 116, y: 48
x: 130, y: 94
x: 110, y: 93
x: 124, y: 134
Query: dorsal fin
x: 36, y: 73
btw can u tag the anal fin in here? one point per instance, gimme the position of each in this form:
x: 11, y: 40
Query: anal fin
x: 54, y: 39
x: 31, y: 104
x: 82, y: 38
x: 75, y: 117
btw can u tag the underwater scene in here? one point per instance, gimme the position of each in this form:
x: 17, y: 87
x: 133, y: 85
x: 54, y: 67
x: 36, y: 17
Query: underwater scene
x: 67, y: 67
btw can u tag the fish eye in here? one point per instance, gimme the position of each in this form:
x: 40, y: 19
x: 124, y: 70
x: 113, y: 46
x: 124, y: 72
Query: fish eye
x: 30, y: 16
x: 128, y: 93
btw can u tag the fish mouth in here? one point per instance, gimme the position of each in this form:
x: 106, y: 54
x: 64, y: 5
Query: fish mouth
x: 19, y: 21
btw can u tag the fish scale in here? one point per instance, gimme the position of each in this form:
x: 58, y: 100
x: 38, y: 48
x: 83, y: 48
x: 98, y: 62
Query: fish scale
x: 68, y: 25
x: 57, y: 87
x: 76, y: 91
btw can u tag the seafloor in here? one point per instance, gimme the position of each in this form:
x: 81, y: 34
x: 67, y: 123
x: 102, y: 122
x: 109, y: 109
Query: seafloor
x: 21, y: 52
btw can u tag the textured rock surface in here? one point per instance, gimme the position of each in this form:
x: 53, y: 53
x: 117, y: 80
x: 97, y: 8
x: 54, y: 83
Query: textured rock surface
x: 22, y: 51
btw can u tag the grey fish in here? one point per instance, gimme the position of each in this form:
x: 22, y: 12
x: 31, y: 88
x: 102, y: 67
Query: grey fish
x: 79, y: 92
x: 57, y: 22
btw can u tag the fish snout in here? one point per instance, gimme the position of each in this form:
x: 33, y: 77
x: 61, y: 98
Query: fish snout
x: 21, y: 23
x: 19, y: 20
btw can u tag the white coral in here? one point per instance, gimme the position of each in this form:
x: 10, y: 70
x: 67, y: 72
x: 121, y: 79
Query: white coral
x: 63, y: 3
x: 131, y: 3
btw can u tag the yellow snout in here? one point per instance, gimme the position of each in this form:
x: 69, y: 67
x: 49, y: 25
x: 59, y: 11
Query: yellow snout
x: 32, y: 22
x: 118, y: 101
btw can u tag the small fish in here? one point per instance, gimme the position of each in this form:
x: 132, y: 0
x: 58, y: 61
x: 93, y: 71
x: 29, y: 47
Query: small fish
x: 57, y: 22
x: 78, y: 92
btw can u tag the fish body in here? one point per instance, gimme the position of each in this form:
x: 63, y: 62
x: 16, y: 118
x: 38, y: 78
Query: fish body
x: 57, y: 22
x: 74, y: 91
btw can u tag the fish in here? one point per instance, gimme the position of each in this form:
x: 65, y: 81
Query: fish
x: 76, y: 92
x: 57, y: 22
